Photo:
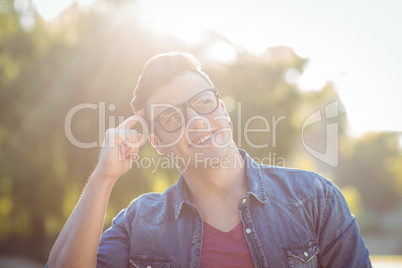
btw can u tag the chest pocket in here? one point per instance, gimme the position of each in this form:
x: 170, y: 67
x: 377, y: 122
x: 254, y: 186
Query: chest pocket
x: 302, y: 255
x: 146, y: 261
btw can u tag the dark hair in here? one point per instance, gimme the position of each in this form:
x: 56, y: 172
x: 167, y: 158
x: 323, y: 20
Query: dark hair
x: 160, y: 70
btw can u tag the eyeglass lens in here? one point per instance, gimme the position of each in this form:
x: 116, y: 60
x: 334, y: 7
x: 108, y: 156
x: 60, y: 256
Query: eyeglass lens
x: 172, y: 118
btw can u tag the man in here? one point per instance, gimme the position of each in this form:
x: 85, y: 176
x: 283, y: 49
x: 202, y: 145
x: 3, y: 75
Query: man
x: 225, y: 210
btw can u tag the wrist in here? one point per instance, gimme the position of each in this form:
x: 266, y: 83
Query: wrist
x: 98, y: 175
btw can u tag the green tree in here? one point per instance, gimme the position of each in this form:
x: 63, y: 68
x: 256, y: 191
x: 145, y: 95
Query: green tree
x: 92, y: 57
x: 372, y: 165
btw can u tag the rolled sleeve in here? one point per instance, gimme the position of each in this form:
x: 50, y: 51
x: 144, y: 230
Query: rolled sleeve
x: 341, y: 244
x: 114, y: 246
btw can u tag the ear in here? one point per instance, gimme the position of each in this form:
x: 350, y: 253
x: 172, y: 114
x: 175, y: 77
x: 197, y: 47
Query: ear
x: 224, y: 109
x: 154, y: 140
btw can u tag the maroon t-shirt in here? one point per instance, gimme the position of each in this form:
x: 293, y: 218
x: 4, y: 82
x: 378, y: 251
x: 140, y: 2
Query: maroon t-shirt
x: 225, y: 249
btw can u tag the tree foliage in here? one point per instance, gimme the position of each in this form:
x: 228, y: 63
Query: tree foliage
x: 372, y: 164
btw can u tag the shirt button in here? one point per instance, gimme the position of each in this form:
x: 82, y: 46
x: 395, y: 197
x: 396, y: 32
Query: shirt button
x: 248, y: 230
x: 244, y: 200
x: 305, y: 254
x: 195, y: 237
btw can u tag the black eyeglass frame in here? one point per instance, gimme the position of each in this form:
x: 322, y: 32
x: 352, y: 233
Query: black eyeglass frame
x: 182, y: 107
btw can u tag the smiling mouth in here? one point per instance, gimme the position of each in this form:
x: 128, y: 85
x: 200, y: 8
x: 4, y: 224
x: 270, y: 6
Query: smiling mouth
x: 203, y: 139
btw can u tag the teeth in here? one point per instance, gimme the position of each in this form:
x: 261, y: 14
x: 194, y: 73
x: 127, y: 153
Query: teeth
x: 202, y: 139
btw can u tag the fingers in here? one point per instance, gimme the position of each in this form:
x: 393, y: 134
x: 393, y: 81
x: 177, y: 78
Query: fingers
x: 124, y: 140
x: 130, y: 122
x: 128, y: 142
x: 131, y: 139
x: 124, y: 132
x: 129, y: 150
x: 128, y: 137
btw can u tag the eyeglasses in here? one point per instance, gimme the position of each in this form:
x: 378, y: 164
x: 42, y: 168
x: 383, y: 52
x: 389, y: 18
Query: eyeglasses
x: 205, y: 102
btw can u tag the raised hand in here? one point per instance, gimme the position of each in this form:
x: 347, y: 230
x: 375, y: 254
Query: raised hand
x: 120, y: 148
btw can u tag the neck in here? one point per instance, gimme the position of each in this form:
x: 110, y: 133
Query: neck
x: 222, y: 183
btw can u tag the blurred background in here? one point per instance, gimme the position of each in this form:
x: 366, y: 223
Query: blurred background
x: 276, y: 59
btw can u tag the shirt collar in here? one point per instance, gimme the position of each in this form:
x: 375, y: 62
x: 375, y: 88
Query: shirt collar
x: 254, y: 177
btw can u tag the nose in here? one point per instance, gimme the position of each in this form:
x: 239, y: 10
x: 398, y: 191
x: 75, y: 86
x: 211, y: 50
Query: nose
x: 195, y: 120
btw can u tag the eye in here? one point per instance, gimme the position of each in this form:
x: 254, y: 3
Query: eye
x: 203, y: 100
x: 169, y: 116
x: 174, y: 116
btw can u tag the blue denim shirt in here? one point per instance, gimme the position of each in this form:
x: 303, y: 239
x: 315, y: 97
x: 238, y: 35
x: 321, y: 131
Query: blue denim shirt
x: 291, y: 218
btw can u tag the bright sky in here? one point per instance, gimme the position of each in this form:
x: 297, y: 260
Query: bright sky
x: 354, y: 43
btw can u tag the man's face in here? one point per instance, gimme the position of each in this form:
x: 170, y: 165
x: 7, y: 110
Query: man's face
x: 202, y: 135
